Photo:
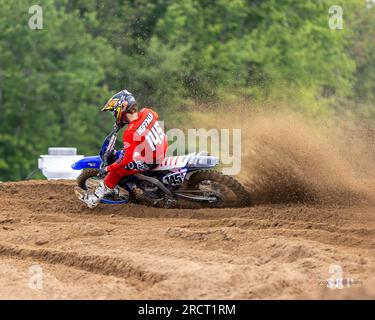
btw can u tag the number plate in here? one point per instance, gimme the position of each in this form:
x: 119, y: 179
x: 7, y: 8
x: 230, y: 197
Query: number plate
x: 175, y: 178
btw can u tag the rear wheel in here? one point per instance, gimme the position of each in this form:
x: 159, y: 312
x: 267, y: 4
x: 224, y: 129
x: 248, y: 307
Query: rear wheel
x: 88, y: 180
x: 224, y: 190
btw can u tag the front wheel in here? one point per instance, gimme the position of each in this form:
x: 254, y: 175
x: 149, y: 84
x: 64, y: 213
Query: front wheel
x: 88, y: 180
x: 229, y: 192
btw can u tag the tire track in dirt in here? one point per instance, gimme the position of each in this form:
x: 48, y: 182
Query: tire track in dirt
x: 104, y: 265
x: 322, y: 232
x: 264, y: 251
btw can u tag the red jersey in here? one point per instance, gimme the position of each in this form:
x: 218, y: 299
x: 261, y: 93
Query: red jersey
x: 144, y: 139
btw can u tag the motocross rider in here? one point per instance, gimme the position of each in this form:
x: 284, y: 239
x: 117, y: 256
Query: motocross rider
x: 145, y: 145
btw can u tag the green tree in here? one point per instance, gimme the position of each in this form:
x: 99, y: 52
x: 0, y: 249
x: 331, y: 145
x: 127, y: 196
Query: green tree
x: 362, y: 50
x: 51, y: 82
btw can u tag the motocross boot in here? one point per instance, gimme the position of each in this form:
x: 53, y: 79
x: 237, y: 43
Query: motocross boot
x: 93, y: 199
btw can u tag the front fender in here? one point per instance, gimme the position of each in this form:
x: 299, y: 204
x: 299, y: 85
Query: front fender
x: 87, y: 163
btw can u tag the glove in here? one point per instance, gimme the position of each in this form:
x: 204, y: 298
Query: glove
x: 103, y: 171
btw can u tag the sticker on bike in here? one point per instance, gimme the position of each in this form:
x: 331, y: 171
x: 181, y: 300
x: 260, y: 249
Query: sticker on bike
x: 176, y: 178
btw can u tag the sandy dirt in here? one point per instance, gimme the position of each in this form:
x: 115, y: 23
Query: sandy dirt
x: 268, y: 251
x: 313, y: 193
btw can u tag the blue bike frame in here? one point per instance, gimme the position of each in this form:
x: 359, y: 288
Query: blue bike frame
x: 95, y: 162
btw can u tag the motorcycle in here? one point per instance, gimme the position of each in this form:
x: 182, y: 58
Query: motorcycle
x: 189, y: 177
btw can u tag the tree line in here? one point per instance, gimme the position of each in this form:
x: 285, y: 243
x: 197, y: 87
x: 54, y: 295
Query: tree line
x: 173, y: 55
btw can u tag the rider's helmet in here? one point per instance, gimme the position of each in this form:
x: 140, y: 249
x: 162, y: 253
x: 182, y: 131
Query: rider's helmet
x: 121, y: 103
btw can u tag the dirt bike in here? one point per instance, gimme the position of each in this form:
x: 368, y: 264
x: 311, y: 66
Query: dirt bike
x: 187, y: 177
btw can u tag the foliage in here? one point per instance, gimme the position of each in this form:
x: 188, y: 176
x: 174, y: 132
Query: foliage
x: 173, y: 55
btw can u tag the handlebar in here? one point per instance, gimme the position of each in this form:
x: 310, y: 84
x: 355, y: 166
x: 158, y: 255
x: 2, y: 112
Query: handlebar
x: 111, y: 138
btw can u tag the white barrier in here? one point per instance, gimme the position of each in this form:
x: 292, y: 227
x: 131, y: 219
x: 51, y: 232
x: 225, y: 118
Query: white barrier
x: 57, y: 164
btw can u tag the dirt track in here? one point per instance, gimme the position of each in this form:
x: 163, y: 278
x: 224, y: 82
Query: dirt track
x: 136, y: 252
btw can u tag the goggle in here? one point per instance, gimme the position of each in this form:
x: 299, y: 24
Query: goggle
x: 111, y: 105
x: 117, y: 113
